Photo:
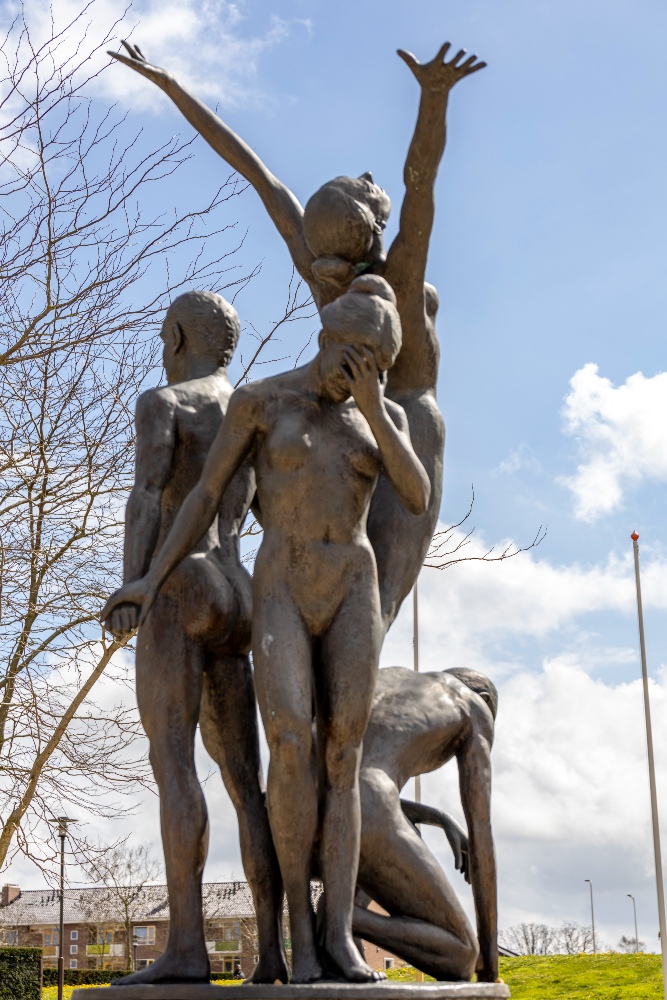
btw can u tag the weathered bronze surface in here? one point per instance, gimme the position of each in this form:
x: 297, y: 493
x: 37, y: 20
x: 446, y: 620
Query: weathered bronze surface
x: 346, y: 457
x: 313, y: 991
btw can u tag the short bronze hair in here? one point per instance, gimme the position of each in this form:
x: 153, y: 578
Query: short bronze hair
x: 209, y: 323
x: 366, y: 313
x: 343, y: 216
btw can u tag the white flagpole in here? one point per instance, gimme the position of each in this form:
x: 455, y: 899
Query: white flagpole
x: 651, y: 770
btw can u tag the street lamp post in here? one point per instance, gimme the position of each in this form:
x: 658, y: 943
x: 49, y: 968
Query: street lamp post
x: 651, y: 770
x: 634, y: 907
x: 590, y: 886
x: 62, y: 822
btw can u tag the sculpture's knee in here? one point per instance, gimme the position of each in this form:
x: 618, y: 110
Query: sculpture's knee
x: 342, y: 764
x: 291, y: 748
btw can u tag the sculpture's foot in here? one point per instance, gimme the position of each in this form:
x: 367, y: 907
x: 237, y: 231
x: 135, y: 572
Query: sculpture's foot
x: 349, y: 963
x: 169, y: 968
x: 269, y: 969
x: 306, y: 969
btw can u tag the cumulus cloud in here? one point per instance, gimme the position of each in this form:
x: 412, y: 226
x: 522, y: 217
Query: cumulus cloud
x: 479, y: 615
x: 206, y: 45
x: 620, y: 433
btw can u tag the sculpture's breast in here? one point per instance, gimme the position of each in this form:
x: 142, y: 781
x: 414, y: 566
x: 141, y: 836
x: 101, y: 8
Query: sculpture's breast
x: 289, y: 442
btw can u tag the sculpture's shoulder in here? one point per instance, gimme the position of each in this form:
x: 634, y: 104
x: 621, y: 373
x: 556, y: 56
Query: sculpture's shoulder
x: 155, y: 406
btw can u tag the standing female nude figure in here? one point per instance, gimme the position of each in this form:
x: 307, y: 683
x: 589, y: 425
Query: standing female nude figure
x: 336, y: 237
x: 317, y: 628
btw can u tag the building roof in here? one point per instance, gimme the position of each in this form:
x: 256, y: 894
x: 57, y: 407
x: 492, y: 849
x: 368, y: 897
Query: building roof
x: 98, y: 905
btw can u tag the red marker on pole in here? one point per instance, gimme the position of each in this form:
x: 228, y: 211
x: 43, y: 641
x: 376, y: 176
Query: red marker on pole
x: 651, y: 770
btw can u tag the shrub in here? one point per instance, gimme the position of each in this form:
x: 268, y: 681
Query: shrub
x: 82, y: 977
x: 20, y: 973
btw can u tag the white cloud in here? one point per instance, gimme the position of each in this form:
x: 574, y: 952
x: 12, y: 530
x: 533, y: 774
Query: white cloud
x: 204, y: 43
x: 620, y: 432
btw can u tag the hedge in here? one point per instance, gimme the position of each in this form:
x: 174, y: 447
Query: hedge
x: 20, y: 973
x: 99, y: 977
x: 82, y: 977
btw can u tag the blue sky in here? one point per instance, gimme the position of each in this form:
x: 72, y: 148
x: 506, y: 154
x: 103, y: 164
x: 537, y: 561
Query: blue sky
x: 548, y: 252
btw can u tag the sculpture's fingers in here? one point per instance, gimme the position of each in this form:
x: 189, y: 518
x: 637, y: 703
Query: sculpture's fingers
x: 459, y: 55
x: 444, y: 49
x: 132, y: 62
x: 468, y: 63
x: 409, y: 59
x: 105, y: 613
x: 473, y: 69
x: 137, y: 49
x: 129, y: 48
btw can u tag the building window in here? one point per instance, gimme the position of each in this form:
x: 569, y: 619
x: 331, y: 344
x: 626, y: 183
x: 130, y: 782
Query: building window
x: 143, y: 935
x: 229, y: 965
x: 10, y: 938
x: 74, y: 935
x: 73, y: 964
x: 389, y: 963
x: 143, y: 962
x: 73, y: 949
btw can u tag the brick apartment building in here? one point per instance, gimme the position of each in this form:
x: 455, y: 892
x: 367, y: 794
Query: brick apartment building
x: 96, y: 936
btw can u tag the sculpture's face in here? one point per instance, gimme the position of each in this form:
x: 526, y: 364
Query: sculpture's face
x: 334, y: 367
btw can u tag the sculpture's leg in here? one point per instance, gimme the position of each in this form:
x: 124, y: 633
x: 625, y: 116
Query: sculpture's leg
x: 427, y: 926
x: 169, y: 686
x: 282, y: 657
x: 228, y: 726
x: 348, y: 666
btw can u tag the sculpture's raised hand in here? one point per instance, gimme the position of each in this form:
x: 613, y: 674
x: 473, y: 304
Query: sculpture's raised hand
x: 137, y: 61
x: 437, y: 75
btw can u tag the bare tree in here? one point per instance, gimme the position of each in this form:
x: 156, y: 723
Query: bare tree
x: 79, y: 265
x: 630, y: 945
x: 445, y: 550
x: 529, y: 939
x: 125, y: 873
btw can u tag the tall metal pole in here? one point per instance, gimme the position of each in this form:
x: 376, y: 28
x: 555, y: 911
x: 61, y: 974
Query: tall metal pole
x: 419, y: 975
x: 590, y: 886
x: 651, y: 769
x: 634, y: 907
x: 415, y: 657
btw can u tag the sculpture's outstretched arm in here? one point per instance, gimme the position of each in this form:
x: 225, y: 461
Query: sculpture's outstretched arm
x: 407, y: 256
x: 280, y: 203
x: 405, y: 269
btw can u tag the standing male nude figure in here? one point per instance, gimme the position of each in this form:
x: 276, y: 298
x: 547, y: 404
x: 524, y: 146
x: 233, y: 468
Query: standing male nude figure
x: 418, y: 722
x: 192, y: 653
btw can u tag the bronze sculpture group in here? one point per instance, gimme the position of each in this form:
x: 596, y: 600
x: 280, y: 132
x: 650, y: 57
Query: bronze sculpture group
x: 341, y: 460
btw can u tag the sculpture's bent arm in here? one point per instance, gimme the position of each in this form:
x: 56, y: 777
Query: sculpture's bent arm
x: 417, y: 812
x: 282, y: 206
x: 231, y: 445
x: 389, y: 425
x: 474, y: 762
x: 154, y: 422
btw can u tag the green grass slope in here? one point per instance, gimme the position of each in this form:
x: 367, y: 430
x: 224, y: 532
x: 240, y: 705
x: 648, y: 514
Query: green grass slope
x: 583, y: 977
x: 577, y: 977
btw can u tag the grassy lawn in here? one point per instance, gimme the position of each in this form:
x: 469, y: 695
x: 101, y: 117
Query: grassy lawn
x: 583, y: 977
x: 555, y: 977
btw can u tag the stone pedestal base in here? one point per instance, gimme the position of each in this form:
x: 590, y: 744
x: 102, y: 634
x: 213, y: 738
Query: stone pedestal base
x: 389, y: 990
